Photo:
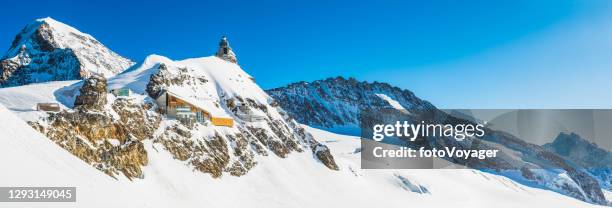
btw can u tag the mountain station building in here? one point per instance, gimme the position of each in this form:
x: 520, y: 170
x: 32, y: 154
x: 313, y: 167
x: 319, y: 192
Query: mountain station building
x: 189, y: 111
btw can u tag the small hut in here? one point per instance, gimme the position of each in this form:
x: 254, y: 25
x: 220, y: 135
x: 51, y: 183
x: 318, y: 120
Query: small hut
x: 121, y: 92
x: 50, y: 107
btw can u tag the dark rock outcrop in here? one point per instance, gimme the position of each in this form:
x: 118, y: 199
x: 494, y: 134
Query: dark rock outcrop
x: 324, y: 155
x: 92, y: 94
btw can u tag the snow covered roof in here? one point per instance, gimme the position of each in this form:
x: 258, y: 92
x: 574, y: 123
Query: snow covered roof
x: 206, y: 105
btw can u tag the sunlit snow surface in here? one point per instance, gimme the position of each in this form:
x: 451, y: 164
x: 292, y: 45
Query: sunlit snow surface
x: 22, y: 100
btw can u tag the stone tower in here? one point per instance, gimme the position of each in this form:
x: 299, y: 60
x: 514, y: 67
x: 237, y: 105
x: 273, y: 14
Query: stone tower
x: 225, y: 51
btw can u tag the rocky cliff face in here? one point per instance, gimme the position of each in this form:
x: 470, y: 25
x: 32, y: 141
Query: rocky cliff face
x: 338, y: 101
x: 597, y: 161
x: 107, y: 135
x: 48, y: 50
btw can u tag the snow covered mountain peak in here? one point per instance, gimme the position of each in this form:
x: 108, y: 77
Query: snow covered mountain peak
x: 48, y: 50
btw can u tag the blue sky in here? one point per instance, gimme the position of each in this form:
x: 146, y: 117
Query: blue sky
x: 456, y: 54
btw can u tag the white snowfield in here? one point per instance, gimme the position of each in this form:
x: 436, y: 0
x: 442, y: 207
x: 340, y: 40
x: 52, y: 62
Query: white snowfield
x: 30, y: 159
x: 391, y: 101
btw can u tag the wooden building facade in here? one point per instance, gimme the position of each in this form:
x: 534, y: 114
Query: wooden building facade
x: 177, y: 108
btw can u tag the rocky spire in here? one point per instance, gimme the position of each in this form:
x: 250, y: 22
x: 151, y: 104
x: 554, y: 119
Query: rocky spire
x: 225, y: 51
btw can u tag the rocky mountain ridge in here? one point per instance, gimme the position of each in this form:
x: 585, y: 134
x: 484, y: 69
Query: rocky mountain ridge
x: 338, y: 101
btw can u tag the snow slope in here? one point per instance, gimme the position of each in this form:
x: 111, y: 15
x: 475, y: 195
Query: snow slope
x: 23, y: 99
x: 456, y: 188
x: 30, y: 159
x: 290, y: 182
